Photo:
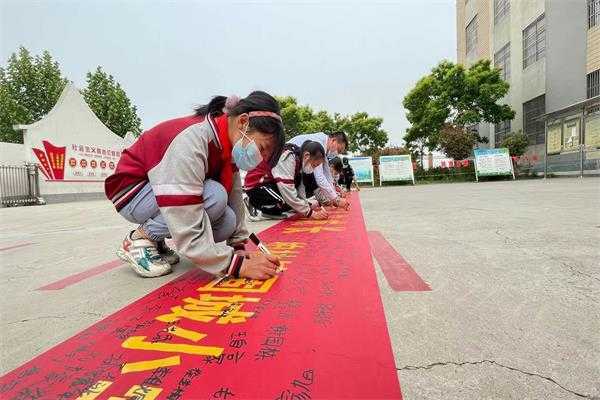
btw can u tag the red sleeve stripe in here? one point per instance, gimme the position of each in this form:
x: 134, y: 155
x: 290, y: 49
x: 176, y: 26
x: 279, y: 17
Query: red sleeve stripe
x: 282, y: 180
x: 178, y: 200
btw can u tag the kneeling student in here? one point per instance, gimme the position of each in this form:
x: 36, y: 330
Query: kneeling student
x: 287, y: 186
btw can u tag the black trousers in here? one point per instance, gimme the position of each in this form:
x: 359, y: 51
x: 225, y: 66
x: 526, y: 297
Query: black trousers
x: 346, y: 180
x: 267, y: 199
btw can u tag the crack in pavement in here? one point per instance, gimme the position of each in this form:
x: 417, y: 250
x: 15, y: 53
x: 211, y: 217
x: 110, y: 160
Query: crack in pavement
x: 35, y: 319
x: 575, y: 271
x: 507, y: 239
x: 460, y: 364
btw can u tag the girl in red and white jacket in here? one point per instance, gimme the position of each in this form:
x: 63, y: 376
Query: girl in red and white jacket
x: 288, y: 185
x: 180, y: 179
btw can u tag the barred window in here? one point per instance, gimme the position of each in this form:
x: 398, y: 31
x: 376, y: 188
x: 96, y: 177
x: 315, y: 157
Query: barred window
x: 500, y: 131
x: 593, y: 84
x: 534, y: 42
x: 471, y: 36
x: 501, y: 9
x: 533, y: 124
x: 593, y: 13
x: 502, y: 61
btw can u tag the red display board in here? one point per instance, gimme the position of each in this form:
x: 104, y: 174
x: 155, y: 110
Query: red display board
x: 315, y: 331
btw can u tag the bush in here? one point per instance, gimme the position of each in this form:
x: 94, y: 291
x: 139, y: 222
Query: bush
x: 463, y: 174
x: 457, y: 142
x: 516, y: 143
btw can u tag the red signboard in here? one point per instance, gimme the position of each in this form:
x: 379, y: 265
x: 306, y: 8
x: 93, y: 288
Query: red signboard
x: 55, y: 168
x: 315, y: 331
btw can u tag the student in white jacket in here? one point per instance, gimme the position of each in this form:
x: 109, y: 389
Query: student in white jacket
x: 334, y: 144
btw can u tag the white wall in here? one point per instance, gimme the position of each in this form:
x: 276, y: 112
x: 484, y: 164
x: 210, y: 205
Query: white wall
x: 12, y: 154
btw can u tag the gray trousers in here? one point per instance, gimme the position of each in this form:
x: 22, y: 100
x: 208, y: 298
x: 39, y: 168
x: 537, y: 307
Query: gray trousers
x: 143, y: 210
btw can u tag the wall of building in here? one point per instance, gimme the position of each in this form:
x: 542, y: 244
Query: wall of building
x: 571, y: 52
x: 566, y: 54
x: 486, y: 29
x: 524, y: 84
x: 12, y: 154
x: 460, y: 31
x: 466, y: 10
x: 593, y: 49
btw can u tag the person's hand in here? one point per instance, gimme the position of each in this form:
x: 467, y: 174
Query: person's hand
x: 341, y: 192
x: 314, y: 205
x: 343, y: 203
x: 319, y: 214
x: 259, y: 266
x: 239, y: 246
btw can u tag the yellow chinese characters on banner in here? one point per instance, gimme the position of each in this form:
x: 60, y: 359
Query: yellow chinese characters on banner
x: 225, y: 309
x: 206, y: 308
x: 334, y: 224
x: 135, y: 392
x: 239, y: 285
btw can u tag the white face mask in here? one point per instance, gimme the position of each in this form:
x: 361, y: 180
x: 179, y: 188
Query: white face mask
x: 246, y: 158
x: 308, y: 169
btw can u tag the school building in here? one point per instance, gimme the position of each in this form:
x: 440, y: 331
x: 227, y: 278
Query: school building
x: 548, y: 50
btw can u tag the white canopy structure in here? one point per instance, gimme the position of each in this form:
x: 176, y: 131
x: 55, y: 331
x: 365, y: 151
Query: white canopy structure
x: 74, y: 149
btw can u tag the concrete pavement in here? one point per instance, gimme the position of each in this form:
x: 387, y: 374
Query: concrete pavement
x: 514, y: 269
x: 514, y: 311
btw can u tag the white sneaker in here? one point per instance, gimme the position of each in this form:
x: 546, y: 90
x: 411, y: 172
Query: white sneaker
x: 143, y: 257
x: 253, y: 214
x: 256, y: 217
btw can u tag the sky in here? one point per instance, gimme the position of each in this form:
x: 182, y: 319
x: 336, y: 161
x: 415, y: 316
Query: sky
x: 169, y: 56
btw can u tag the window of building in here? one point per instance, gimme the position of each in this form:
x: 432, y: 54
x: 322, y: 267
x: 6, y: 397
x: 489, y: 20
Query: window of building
x: 500, y: 131
x: 593, y: 13
x: 534, y: 42
x: 471, y: 36
x: 593, y: 84
x: 502, y: 61
x: 533, y: 124
x: 501, y: 9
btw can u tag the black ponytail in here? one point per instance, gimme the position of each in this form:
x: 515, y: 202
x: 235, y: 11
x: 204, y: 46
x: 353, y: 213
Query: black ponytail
x: 214, y: 108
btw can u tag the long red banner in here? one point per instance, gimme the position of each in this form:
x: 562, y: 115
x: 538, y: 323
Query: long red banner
x: 315, y: 331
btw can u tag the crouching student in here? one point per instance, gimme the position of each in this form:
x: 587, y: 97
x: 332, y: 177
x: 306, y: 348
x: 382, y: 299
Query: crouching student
x: 335, y: 168
x: 180, y: 179
x: 335, y: 143
x: 288, y: 185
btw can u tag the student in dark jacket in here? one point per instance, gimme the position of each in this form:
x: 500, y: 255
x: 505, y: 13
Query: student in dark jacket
x: 347, y: 175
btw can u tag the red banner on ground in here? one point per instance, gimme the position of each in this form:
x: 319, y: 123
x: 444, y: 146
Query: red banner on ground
x: 316, y: 331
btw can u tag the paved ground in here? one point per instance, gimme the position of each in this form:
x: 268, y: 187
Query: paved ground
x: 515, y: 270
x: 514, y: 267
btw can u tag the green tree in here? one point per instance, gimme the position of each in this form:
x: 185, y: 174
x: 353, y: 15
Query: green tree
x: 387, y: 151
x: 456, y: 142
x: 29, y: 88
x: 516, y: 143
x: 364, y: 132
x: 452, y: 95
x: 293, y: 115
x: 110, y: 103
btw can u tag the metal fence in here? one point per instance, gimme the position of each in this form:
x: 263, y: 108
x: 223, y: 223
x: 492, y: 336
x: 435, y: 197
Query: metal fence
x: 19, y: 186
x: 573, y: 140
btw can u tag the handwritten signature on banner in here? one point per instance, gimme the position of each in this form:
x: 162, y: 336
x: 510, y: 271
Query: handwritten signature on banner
x: 336, y: 223
x: 220, y: 302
